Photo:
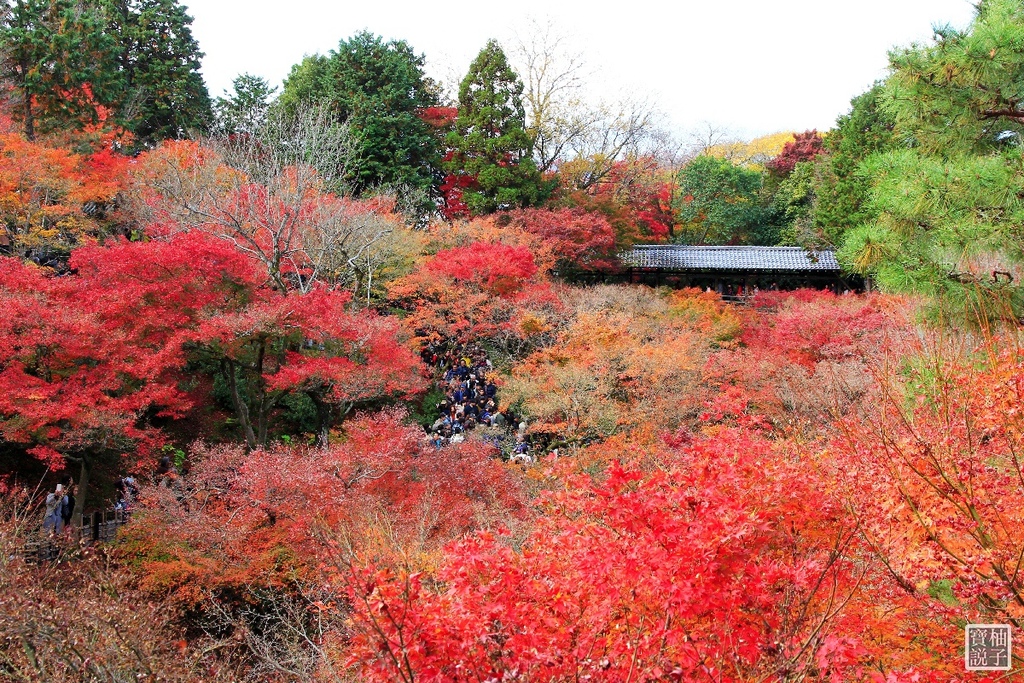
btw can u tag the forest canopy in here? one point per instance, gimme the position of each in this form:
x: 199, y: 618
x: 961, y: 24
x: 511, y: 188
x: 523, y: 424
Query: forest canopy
x: 342, y: 379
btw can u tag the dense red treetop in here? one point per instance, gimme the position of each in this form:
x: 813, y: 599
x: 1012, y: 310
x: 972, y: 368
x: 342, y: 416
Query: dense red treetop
x: 498, y: 269
x: 579, y: 239
x: 804, y: 147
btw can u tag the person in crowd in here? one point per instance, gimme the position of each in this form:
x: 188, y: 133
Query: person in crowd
x: 68, y: 505
x: 127, y: 492
x: 167, y: 474
x: 53, y: 522
x: 469, y: 401
x: 521, y: 452
x: 164, y: 467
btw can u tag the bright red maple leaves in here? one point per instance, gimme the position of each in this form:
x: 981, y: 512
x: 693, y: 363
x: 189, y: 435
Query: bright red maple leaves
x: 804, y: 147
x: 498, y: 269
x: 580, y: 240
x: 270, y: 517
x: 91, y: 352
x: 71, y: 384
x: 473, y: 291
x: 711, y: 568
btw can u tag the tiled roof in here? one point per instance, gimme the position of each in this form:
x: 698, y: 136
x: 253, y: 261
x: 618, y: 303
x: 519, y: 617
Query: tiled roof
x: 673, y: 257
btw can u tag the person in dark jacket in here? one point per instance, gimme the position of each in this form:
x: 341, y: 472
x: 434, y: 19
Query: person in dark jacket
x: 68, y: 506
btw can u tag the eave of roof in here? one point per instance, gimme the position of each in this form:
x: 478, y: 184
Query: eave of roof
x: 686, y: 258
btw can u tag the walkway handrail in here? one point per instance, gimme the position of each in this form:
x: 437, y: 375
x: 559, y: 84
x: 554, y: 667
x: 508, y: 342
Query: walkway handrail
x: 96, y: 527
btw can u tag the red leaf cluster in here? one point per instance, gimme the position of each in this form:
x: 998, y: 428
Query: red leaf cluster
x: 712, y: 566
x: 804, y: 147
x: 439, y: 117
x: 498, y: 269
x: 580, y: 239
x: 453, y: 205
x: 84, y: 356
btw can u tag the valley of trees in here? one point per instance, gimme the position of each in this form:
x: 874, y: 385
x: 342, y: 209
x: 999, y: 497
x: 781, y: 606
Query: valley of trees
x: 263, y: 307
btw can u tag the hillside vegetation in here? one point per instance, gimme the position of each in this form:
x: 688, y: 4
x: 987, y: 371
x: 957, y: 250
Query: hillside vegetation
x: 328, y: 352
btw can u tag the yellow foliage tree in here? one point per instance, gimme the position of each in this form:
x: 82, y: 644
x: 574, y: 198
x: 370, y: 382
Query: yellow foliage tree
x: 753, y: 154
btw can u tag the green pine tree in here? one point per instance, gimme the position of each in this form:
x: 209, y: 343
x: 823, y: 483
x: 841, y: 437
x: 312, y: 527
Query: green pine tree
x: 379, y: 89
x: 245, y: 109
x: 56, y: 56
x: 163, y: 94
x: 947, y: 202
x: 490, y: 143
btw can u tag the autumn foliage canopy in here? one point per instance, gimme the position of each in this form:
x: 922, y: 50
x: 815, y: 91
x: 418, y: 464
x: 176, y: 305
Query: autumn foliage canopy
x: 371, y: 432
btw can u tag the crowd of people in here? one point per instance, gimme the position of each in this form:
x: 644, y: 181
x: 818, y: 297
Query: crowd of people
x: 470, y: 402
x: 60, y: 507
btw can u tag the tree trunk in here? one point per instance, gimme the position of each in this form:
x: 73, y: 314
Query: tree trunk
x: 241, y: 409
x: 267, y: 405
x: 83, y: 489
x: 323, y: 420
x: 30, y: 124
x: 262, y: 420
x: 263, y: 409
x: 30, y: 121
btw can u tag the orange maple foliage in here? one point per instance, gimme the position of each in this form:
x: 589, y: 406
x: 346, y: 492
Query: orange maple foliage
x: 622, y: 359
x: 52, y: 200
x: 934, y: 473
x: 482, y: 283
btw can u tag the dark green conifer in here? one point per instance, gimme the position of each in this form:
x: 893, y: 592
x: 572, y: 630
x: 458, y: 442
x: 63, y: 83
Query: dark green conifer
x: 490, y: 144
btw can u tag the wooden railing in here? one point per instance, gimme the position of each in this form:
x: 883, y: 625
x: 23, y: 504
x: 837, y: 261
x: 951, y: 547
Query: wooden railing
x: 97, y: 527
x: 738, y: 299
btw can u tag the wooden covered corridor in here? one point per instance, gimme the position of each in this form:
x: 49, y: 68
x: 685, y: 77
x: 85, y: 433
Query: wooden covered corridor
x: 737, y: 271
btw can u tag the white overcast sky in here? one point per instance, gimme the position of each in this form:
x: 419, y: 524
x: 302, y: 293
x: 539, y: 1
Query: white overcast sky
x: 752, y: 66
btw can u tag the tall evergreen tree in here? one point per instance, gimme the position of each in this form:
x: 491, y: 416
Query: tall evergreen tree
x: 380, y: 90
x: 490, y: 146
x: 949, y: 198
x: 163, y: 93
x: 66, y: 58
x: 843, y: 192
x: 245, y: 109
x: 824, y: 199
x: 56, y: 56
